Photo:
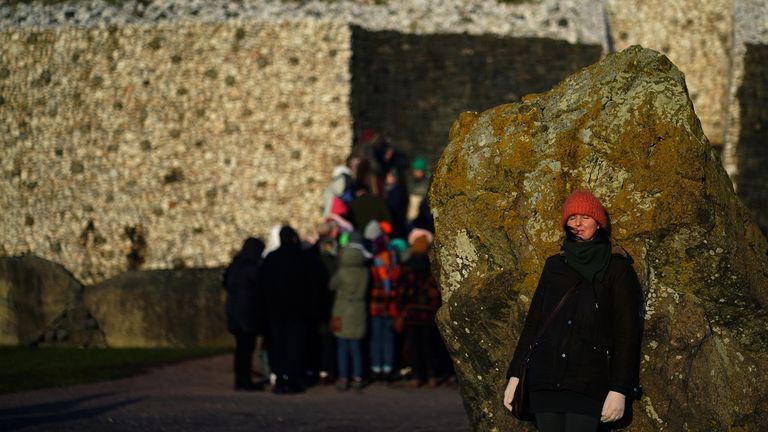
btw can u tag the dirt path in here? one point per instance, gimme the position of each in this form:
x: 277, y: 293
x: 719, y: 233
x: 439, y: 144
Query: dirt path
x: 197, y: 396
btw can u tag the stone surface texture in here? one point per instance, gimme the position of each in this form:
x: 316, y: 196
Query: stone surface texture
x: 576, y: 21
x: 157, y: 134
x: 33, y: 292
x: 161, y: 308
x: 695, y: 35
x: 411, y: 87
x: 744, y: 152
x: 164, y: 146
x: 626, y: 129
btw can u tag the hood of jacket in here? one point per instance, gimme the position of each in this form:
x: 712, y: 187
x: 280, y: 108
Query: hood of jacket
x: 252, y: 249
x: 351, y: 257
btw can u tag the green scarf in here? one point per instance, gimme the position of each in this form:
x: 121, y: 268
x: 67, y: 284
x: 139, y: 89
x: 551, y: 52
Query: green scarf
x: 590, y: 259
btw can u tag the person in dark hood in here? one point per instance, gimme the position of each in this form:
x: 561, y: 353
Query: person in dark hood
x: 245, y: 318
x: 290, y: 291
x: 418, y: 302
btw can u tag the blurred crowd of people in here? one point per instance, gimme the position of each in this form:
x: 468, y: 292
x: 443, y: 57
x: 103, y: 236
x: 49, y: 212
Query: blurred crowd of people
x: 353, y: 304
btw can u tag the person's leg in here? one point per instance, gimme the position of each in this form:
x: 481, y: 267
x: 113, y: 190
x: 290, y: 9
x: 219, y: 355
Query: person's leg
x: 297, y: 355
x: 314, y: 353
x: 375, y: 347
x: 328, y: 359
x: 356, y: 351
x: 246, y: 344
x: 387, y: 346
x: 239, y: 360
x: 427, y: 337
x: 580, y: 423
x: 276, y: 356
x: 412, y: 338
x: 550, y: 422
x: 342, y: 357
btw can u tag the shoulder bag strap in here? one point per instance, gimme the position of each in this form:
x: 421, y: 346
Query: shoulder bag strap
x: 550, y: 319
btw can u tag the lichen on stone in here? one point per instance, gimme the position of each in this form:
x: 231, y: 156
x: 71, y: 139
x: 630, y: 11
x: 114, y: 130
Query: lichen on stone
x: 624, y: 128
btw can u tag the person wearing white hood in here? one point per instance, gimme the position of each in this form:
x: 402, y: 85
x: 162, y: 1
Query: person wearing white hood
x: 273, y: 240
x: 341, y: 181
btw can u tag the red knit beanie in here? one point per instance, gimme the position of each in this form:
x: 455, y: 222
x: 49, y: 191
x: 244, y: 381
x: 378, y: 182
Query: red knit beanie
x: 584, y: 203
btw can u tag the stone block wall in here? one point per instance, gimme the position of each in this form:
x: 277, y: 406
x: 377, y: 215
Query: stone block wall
x: 164, y: 146
x: 745, y: 153
x: 697, y: 38
x: 412, y: 87
x: 752, y: 154
x: 159, y: 134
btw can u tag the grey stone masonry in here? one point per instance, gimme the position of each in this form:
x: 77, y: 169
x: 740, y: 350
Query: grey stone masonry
x: 164, y: 146
x: 745, y: 153
x: 576, y: 21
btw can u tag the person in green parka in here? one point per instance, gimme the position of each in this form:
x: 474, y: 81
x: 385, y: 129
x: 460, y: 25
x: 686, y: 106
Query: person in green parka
x: 350, y: 283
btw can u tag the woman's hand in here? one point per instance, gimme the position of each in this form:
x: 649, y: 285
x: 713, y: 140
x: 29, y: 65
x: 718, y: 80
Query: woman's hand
x: 613, y: 408
x: 509, y: 392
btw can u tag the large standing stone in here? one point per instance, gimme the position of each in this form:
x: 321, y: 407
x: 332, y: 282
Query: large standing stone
x: 34, y: 292
x: 161, y: 308
x: 626, y: 129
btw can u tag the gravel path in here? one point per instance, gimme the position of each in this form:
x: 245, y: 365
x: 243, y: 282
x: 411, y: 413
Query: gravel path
x: 196, y: 395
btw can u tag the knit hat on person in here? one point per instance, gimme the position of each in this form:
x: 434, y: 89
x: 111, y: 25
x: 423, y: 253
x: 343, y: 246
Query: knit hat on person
x: 582, y: 202
x: 420, y: 245
x: 419, y: 164
x: 372, y: 230
x: 385, y: 227
x: 419, y: 232
x: 368, y: 136
x: 398, y: 245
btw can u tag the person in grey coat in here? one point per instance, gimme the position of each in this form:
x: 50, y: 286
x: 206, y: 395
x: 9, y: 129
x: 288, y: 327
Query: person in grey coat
x: 244, y: 317
x: 350, y: 284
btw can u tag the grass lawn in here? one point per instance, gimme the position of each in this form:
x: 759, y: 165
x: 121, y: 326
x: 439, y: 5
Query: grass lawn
x: 24, y: 368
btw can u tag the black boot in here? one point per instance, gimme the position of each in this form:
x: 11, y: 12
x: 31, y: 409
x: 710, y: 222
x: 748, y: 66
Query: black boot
x: 248, y: 385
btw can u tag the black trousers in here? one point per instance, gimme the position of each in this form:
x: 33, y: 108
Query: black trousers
x: 422, y: 341
x: 566, y: 422
x: 328, y: 353
x: 288, y: 351
x: 245, y: 343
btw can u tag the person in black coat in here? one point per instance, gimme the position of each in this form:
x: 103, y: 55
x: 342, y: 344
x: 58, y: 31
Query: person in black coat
x: 584, y: 365
x: 290, y: 282
x: 245, y: 319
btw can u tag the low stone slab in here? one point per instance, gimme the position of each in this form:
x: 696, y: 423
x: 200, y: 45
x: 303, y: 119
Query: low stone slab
x: 34, y: 292
x: 161, y: 308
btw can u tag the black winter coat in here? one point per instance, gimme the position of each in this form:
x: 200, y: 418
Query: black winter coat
x: 244, y: 305
x: 593, y: 344
x: 291, y: 279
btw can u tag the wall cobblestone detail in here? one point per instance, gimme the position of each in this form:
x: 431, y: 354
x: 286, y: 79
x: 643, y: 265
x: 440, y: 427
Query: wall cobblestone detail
x: 164, y: 146
x: 696, y: 36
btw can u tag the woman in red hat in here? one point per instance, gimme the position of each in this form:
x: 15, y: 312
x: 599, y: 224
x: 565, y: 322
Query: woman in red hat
x: 580, y: 345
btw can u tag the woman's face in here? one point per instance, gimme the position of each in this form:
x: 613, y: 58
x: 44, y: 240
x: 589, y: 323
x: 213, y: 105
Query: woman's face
x: 582, y: 227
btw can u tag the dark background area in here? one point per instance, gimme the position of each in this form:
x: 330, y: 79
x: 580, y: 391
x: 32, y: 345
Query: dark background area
x: 412, y: 87
x: 752, y: 151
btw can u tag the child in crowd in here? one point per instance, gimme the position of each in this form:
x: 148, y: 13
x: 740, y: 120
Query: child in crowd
x: 349, y: 284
